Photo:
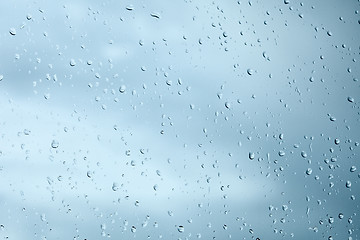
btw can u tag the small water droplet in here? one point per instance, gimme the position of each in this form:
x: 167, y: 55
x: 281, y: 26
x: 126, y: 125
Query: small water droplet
x: 181, y: 229
x: 251, y: 155
x: 250, y: 71
x: 129, y: 7
x: 54, y: 144
x: 72, y: 62
x: 352, y: 169
x: 348, y: 184
x: 12, y: 31
x: 115, y: 186
x: 337, y: 141
x: 155, y: 15
x: 133, y: 229
x: 281, y: 153
x: 303, y: 154
x: 1, y: 77
x: 308, y: 171
x: 286, y: 1
x: 122, y: 88
x: 227, y: 105
x: 350, y: 99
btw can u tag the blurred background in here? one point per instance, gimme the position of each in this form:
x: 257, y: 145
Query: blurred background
x: 179, y: 119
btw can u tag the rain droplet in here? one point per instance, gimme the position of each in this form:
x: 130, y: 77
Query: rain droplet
x: 227, y: 105
x: 341, y: 216
x: 350, y: 99
x: 1, y: 77
x: 43, y: 217
x: 155, y: 15
x: 308, y: 171
x: 28, y: 17
x: 72, y: 62
x: 133, y: 229
x: 130, y: 7
x: 12, y: 31
x: 250, y: 71
x: 54, y: 144
x: 122, y: 88
x: 286, y: 1
x: 348, y: 184
x: 352, y: 169
x: 333, y: 119
x: 281, y: 153
x: 251, y: 155
x: 303, y: 154
x: 115, y: 186
x: 181, y: 229
x: 329, y: 33
x: 337, y: 141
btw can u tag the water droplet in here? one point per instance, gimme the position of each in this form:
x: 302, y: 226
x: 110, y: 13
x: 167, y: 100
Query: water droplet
x: 303, y: 154
x: 12, y: 31
x: 341, y: 216
x: 350, y: 99
x: 133, y: 229
x: 155, y: 15
x: 155, y: 187
x: 43, y: 217
x: 227, y: 105
x: 281, y: 153
x: 28, y: 17
x: 352, y: 169
x: 122, y: 88
x: 333, y: 119
x: 251, y: 155
x: 115, y: 186
x: 181, y: 229
x: 27, y: 132
x: 348, y: 184
x: 129, y: 7
x: 286, y: 1
x: 250, y: 71
x: 329, y: 33
x: 308, y: 171
x: 72, y: 62
x: 54, y: 144
x: 1, y: 77
x: 337, y: 141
